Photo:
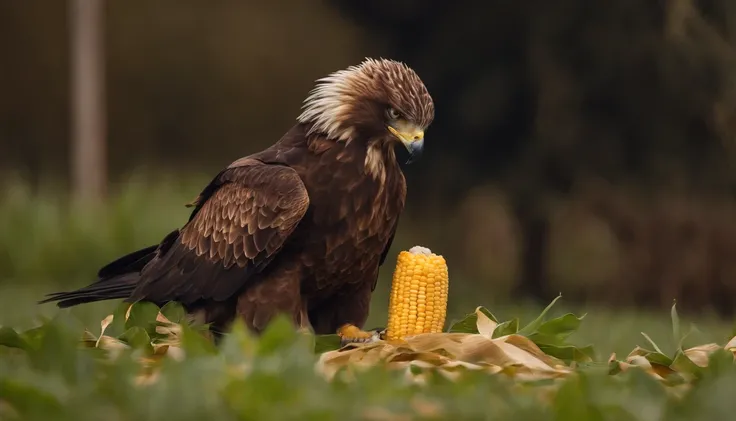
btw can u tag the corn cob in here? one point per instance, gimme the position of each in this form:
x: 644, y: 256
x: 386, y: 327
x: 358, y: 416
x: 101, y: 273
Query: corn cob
x: 418, y: 301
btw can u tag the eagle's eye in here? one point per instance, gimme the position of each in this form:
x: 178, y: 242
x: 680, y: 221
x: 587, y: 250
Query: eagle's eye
x: 393, y: 114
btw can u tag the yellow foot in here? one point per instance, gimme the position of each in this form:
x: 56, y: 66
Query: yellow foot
x: 353, y: 334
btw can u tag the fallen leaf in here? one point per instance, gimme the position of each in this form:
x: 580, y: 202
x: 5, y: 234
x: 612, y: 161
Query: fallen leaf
x: 485, y: 325
x: 699, y: 354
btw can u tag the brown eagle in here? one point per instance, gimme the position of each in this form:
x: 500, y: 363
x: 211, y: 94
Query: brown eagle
x: 299, y: 228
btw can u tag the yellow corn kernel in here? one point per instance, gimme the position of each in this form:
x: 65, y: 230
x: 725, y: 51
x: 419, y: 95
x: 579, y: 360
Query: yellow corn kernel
x: 418, y: 302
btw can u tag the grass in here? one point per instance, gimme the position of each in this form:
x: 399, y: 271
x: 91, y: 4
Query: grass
x: 47, y: 238
x: 48, y: 244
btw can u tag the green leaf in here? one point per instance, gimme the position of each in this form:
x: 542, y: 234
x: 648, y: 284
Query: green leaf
x: 540, y: 338
x: 33, y: 337
x: 720, y: 363
x: 137, y: 338
x: 656, y: 348
x: 536, y: 323
x: 614, y: 367
x: 324, y: 343
x: 58, y: 351
x: 571, y: 401
x: 239, y: 343
x: 642, y: 388
x: 279, y: 334
x: 195, y: 343
x: 508, y: 327
x: 569, y: 353
x: 142, y: 314
x: 681, y: 342
x: 10, y: 338
x: 117, y: 327
x: 469, y: 323
x: 551, y: 338
x: 681, y: 363
x: 174, y: 311
x: 28, y: 400
x: 675, y: 323
x: 562, y: 326
x: 656, y: 357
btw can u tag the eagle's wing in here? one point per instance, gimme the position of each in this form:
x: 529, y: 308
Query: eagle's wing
x: 241, y: 221
x: 384, y: 254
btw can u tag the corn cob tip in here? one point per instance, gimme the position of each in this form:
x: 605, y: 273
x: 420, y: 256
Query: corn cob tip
x: 420, y: 250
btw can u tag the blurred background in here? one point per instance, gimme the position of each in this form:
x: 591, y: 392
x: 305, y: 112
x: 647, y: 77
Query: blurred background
x: 580, y: 148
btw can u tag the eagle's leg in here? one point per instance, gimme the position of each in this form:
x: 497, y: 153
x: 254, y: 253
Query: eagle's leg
x: 219, y: 315
x: 345, y: 313
x: 302, y: 322
x: 278, y: 293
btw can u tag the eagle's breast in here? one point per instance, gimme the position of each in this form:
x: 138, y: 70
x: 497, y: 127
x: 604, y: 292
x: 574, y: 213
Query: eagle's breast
x: 356, y: 197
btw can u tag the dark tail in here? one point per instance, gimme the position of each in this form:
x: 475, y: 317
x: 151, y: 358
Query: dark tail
x: 115, y: 280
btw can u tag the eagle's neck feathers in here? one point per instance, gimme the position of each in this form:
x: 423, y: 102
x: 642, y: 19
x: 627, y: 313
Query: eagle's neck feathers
x: 375, y: 164
x: 379, y: 158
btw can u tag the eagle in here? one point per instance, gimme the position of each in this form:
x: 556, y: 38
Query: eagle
x: 299, y: 228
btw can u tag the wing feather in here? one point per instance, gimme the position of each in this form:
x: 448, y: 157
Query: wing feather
x: 240, y: 223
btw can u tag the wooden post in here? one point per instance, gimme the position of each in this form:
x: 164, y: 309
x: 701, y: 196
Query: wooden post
x: 88, y: 152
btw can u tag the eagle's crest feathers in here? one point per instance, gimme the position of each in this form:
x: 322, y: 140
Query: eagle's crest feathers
x: 352, y: 101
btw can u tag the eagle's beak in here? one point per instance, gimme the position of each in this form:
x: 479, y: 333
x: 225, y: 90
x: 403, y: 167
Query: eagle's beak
x: 413, y: 141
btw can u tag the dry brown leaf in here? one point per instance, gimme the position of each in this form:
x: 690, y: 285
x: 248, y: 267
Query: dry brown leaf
x: 731, y: 345
x: 167, y: 327
x: 331, y: 362
x: 147, y: 378
x: 110, y: 343
x: 107, y: 321
x: 113, y: 346
x: 423, y: 357
x: 662, y: 370
x: 638, y: 351
x: 484, y: 324
x: 175, y: 352
x: 622, y: 365
x: 433, y: 342
x: 450, y: 354
x: 89, y: 340
x: 524, y: 358
x: 699, y: 354
x: 163, y: 319
x: 642, y: 362
x: 526, y: 344
x: 478, y: 348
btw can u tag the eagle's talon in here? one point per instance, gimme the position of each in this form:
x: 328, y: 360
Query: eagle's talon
x: 351, y: 334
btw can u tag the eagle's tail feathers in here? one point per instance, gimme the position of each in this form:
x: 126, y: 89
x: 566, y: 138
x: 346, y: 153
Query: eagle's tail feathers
x: 109, y: 289
x: 132, y: 261
x: 117, y: 279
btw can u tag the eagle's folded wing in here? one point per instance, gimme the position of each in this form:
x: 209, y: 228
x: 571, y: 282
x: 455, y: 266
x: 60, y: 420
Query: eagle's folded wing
x: 241, y: 222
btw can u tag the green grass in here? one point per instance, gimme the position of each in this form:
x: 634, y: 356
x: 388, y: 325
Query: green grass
x: 46, y: 238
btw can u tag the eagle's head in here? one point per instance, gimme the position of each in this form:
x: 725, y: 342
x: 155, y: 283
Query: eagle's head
x: 378, y: 102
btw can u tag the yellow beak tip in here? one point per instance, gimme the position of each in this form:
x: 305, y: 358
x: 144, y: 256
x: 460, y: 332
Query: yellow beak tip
x: 407, y: 137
